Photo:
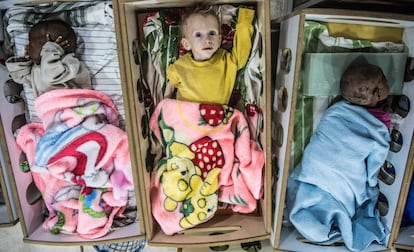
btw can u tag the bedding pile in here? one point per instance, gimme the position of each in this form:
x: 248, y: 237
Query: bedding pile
x: 332, y: 196
x: 79, y: 160
x: 209, y: 157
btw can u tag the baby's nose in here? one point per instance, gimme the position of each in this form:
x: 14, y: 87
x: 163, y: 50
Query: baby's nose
x: 209, y: 37
x: 209, y: 40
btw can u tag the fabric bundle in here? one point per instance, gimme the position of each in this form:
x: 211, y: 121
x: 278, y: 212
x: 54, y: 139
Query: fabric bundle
x: 79, y: 159
x: 208, y: 157
x: 332, y: 193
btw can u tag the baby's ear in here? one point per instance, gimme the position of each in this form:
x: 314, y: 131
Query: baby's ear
x: 381, y: 93
x: 186, y: 44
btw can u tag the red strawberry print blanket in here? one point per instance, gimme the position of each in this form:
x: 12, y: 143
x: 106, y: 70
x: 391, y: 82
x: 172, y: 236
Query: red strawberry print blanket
x: 208, y: 157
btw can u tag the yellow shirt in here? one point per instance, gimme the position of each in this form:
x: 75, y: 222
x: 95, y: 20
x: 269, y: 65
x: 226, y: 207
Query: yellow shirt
x: 212, y: 81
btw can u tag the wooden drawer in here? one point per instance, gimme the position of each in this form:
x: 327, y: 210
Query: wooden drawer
x: 289, y: 101
x: 234, y: 228
x: 10, y: 113
x: 29, y: 205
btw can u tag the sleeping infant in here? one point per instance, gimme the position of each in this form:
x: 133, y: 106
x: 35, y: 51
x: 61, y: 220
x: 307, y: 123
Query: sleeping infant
x: 51, y: 62
x: 366, y: 85
x: 332, y: 193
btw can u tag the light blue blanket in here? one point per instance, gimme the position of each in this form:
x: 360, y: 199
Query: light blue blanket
x: 331, y: 194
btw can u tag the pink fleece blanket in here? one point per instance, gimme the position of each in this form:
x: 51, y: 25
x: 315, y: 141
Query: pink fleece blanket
x: 79, y: 159
x: 209, y: 157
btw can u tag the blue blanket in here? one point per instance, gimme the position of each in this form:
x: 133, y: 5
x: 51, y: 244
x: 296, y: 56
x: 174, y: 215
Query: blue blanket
x: 331, y: 194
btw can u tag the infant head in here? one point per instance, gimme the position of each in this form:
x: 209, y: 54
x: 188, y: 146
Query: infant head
x: 364, y: 84
x: 55, y: 28
x: 200, y: 31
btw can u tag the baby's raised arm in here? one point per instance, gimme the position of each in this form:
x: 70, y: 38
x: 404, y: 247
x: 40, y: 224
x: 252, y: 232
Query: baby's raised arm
x: 242, y: 42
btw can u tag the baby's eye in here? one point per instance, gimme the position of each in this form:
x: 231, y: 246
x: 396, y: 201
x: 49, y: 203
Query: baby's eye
x: 212, y: 33
x: 198, y: 35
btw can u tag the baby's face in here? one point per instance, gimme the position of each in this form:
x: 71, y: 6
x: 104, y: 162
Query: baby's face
x: 57, y: 33
x: 381, y: 93
x: 366, y: 94
x: 202, y: 36
x: 34, y: 48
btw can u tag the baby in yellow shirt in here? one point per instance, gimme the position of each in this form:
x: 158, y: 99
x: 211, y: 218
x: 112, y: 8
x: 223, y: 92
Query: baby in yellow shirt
x: 207, y: 73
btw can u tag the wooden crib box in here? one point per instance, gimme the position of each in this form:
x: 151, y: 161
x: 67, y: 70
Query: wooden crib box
x: 291, y: 58
x: 8, y: 207
x: 28, y: 200
x: 229, y: 228
x: 403, y: 236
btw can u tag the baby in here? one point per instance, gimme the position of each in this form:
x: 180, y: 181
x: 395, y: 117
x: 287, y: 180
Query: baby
x: 51, y: 62
x: 207, y: 73
x: 332, y: 192
x: 366, y: 85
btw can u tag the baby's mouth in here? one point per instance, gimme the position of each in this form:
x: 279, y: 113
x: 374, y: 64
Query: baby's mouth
x: 208, y: 48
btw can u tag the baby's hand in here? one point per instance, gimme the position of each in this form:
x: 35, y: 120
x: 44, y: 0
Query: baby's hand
x: 63, y: 43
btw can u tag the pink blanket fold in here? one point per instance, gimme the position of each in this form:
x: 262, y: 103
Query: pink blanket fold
x: 79, y: 159
x: 209, y: 157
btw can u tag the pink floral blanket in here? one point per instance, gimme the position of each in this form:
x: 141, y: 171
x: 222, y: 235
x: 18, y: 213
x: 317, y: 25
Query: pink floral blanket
x: 79, y: 160
x: 208, y: 157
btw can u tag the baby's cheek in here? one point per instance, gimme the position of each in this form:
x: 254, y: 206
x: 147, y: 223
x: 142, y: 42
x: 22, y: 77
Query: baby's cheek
x: 383, y: 93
